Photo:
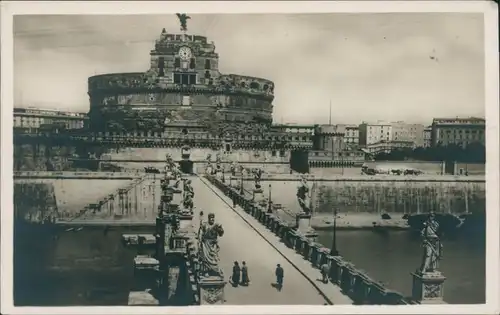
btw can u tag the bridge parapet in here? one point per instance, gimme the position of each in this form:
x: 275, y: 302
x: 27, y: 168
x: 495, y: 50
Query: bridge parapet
x: 369, y: 178
x: 354, y: 282
x: 75, y: 175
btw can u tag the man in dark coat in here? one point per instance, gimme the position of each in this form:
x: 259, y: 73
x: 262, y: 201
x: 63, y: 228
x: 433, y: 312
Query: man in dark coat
x: 236, y: 274
x: 245, y: 280
x: 280, y: 273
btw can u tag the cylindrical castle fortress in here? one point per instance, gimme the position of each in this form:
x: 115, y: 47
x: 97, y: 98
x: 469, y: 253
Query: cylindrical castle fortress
x: 183, y: 89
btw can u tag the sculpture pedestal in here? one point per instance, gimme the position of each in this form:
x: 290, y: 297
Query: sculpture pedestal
x: 258, y: 195
x: 179, y: 242
x: 428, y: 287
x: 185, y: 221
x: 303, y: 221
x: 211, y: 290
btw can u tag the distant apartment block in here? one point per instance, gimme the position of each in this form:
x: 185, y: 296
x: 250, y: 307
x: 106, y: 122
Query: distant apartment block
x: 459, y: 131
x: 428, y: 137
x: 351, y: 134
x: 35, y: 118
x: 370, y: 133
x: 402, y: 131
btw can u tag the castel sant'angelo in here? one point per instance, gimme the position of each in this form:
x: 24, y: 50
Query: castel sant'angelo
x: 183, y: 100
x: 183, y: 91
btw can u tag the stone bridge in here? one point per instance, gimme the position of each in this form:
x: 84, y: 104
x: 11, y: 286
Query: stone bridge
x: 252, y: 234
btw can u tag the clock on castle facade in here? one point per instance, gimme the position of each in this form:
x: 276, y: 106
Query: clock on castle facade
x: 184, y: 60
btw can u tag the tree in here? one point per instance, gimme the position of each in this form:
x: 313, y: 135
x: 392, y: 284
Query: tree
x: 473, y: 153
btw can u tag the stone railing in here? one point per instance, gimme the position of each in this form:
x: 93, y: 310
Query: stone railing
x: 74, y: 175
x: 129, y: 140
x: 192, y: 266
x: 355, y: 283
x: 370, y: 178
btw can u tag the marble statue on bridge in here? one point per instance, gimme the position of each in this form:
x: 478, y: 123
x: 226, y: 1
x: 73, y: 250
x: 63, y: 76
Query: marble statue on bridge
x: 428, y: 281
x: 170, y: 167
x: 432, y: 245
x: 208, y: 235
x: 188, y: 195
x: 303, y: 196
x: 209, y: 169
x: 257, y: 178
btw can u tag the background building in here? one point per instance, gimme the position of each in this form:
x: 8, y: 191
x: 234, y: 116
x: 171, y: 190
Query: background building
x: 428, y: 137
x: 351, y: 134
x: 459, y: 131
x: 329, y: 138
x: 370, y: 133
x: 34, y: 118
x: 402, y: 131
x: 331, y: 150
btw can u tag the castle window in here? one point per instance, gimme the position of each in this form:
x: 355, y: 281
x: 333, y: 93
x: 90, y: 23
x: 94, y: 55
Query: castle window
x: 185, y: 78
x: 177, y: 78
x: 177, y: 63
x: 282, y: 153
x: 208, y: 65
x: 207, y: 75
x: 161, y: 65
x: 273, y: 153
x: 192, y: 63
x: 254, y: 85
x: 243, y: 84
x: 192, y: 79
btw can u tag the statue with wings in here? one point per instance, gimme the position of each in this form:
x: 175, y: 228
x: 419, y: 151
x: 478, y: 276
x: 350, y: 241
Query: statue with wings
x: 183, y: 19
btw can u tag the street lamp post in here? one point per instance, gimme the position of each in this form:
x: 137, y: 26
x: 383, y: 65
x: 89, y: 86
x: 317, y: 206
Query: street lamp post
x: 333, y: 250
x: 242, y: 191
x: 269, y: 202
x: 342, y: 162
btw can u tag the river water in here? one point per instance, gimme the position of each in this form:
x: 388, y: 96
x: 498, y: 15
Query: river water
x: 390, y: 258
x: 92, y: 268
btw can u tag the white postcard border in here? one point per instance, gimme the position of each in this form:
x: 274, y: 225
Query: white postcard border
x: 490, y: 10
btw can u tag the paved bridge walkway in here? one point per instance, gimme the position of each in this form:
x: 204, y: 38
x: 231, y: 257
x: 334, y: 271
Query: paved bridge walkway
x: 245, y: 240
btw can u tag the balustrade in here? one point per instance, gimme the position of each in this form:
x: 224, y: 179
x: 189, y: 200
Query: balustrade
x: 353, y: 282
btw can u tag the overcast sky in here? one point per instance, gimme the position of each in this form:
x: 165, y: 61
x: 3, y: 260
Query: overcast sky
x: 408, y: 66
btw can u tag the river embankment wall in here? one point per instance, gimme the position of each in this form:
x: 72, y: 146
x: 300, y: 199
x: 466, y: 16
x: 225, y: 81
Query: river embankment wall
x: 381, y: 194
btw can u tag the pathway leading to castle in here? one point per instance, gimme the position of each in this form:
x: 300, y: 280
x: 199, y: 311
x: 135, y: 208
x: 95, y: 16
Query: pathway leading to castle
x: 242, y: 243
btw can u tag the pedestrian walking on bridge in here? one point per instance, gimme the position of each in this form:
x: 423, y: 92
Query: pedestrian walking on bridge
x: 325, y: 271
x: 245, y: 280
x: 280, y: 273
x: 235, y: 278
